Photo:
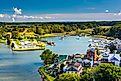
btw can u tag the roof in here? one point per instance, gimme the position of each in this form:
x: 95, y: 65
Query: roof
x: 77, y: 64
x: 114, y: 59
x: 62, y: 57
x: 77, y: 56
x: 72, y: 69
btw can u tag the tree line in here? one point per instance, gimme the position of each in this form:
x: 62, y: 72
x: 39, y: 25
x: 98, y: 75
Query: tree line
x: 42, y: 28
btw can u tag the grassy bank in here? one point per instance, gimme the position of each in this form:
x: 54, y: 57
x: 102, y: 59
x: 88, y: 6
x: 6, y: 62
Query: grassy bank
x: 46, y: 76
x: 102, y: 36
x: 2, y: 40
x: 83, y: 32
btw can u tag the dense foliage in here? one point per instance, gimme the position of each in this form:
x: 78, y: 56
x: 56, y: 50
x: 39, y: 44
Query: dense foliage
x: 48, y: 56
x: 68, y: 77
x: 103, y: 72
x: 115, y: 31
x: 98, y: 28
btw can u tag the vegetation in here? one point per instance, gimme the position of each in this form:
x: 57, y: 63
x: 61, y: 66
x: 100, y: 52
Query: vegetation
x: 29, y: 30
x: 49, y: 78
x: 48, y: 56
x: 87, y: 74
x: 68, y: 77
x: 97, y: 51
x: 115, y: 31
x: 107, y: 72
x: 103, y: 72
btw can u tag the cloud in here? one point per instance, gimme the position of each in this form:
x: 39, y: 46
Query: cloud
x: 13, y: 19
x: 47, y: 17
x: 62, y: 17
x: 17, y: 11
x: 2, y: 15
x: 119, y: 13
x: 106, y: 11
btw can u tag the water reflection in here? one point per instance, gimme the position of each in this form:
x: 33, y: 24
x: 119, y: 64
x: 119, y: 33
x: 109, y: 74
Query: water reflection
x: 19, y: 66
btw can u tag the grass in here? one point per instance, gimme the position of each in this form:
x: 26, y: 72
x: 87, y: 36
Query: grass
x: 87, y: 31
x: 48, y: 77
x: 48, y: 35
x: 105, y: 26
x: 2, y: 41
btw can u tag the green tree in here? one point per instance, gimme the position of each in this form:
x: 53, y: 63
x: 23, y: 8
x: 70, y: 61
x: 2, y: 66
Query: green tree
x: 68, y: 77
x: 48, y: 56
x: 107, y: 72
x: 97, y: 51
x: 103, y: 72
x: 87, y: 74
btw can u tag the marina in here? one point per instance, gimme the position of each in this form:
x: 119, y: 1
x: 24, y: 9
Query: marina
x: 23, y: 65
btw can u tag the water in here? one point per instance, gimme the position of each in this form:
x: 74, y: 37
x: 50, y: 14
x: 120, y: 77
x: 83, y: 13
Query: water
x: 69, y: 45
x: 23, y: 66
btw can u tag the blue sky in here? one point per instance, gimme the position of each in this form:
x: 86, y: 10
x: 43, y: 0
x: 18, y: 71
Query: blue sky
x: 46, y: 9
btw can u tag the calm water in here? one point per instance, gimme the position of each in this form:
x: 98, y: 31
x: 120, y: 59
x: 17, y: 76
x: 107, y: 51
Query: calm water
x: 23, y: 66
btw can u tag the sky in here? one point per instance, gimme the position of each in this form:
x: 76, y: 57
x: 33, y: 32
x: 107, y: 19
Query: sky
x: 59, y: 10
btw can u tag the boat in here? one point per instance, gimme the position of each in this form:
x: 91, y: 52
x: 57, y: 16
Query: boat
x: 90, y: 40
x: 61, y: 38
x: 51, y: 43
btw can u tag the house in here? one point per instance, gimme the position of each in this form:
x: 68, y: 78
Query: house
x: 111, y: 58
x: 105, y: 56
x: 87, y: 63
x: 114, y: 58
x: 73, y: 67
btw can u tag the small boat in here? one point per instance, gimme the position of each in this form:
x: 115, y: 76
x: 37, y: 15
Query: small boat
x: 80, y: 35
x: 77, y: 38
x: 90, y: 40
x: 61, y: 38
x: 51, y: 43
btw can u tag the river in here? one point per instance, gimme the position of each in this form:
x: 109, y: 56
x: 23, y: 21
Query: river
x: 23, y: 66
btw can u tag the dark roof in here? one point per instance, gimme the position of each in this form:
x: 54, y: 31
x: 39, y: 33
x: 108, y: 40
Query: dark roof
x: 62, y: 57
x: 114, y: 59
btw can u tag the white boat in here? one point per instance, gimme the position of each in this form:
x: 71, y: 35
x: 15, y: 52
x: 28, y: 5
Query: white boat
x: 90, y: 40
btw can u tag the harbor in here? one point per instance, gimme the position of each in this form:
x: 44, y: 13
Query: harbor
x: 24, y: 65
x: 99, y: 51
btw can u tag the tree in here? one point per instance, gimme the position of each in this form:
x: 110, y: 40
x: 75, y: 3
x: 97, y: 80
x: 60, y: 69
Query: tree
x: 103, y: 72
x: 87, y: 74
x: 107, y: 72
x: 97, y: 51
x: 68, y: 77
x: 48, y: 56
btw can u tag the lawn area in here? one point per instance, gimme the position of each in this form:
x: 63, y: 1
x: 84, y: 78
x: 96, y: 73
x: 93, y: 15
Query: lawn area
x: 2, y: 40
x: 87, y: 31
x: 48, y: 77
x: 105, y: 26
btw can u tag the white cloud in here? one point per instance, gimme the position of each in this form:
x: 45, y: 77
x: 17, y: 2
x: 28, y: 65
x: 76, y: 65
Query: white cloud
x: 106, y: 11
x: 47, y: 17
x: 17, y: 11
x: 62, y: 17
x: 13, y: 19
x: 2, y: 15
x: 119, y: 13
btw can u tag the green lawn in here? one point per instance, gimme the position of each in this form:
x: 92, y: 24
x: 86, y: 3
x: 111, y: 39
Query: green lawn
x: 47, y: 76
x: 2, y: 41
